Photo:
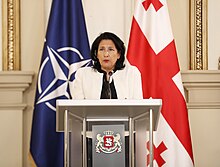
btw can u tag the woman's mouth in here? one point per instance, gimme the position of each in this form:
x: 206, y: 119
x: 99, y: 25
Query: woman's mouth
x: 106, y: 61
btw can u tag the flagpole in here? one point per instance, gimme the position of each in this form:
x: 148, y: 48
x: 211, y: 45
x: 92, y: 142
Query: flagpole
x: 131, y: 145
x: 151, y: 138
x: 84, y: 144
x: 66, y: 144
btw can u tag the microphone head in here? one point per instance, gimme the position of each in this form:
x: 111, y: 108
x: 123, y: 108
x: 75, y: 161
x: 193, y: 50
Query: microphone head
x: 110, y: 76
x: 110, y: 73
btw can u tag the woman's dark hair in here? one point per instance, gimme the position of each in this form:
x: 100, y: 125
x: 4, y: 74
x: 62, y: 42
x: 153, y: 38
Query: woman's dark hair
x: 119, y: 44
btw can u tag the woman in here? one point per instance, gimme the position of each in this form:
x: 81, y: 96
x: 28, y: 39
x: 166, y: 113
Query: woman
x: 109, y: 77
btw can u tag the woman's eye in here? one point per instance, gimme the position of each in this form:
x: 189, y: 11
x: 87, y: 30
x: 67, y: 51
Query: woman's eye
x: 112, y: 50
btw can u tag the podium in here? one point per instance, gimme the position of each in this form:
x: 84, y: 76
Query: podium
x: 73, y: 116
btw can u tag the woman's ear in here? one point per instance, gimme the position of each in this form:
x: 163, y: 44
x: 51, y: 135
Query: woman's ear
x: 95, y: 55
x: 119, y: 55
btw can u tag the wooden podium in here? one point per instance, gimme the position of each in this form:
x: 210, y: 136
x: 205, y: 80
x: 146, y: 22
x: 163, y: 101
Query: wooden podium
x: 72, y: 117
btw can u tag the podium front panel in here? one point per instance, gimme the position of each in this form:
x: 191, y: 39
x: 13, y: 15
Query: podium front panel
x: 108, y: 145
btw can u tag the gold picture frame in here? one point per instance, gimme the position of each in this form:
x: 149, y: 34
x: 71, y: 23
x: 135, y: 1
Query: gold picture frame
x: 11, y: 35
x: 198, y: 35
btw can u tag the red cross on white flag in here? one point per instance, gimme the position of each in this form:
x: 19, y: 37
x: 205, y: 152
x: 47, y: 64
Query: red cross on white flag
x: 152, y: 49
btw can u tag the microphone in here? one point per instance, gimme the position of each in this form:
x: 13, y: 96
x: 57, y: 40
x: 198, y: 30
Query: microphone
x: 110, y: 76
x: 110, y: 73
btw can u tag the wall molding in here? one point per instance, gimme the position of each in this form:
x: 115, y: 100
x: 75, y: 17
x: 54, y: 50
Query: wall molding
x: 13, y: 84
x: 202, y: 88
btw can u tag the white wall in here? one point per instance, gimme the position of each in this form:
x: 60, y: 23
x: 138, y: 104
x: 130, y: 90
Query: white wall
x: 1, y: 37
x: 114, y: 16
x: 205, y: 134
x: 213, y: 34
x: 179, y: 15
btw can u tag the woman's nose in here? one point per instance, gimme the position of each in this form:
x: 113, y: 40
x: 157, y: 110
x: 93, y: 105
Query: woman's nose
x: 106, y: 53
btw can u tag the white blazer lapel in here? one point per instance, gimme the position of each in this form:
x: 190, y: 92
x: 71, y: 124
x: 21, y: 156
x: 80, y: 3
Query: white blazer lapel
x: 95, y: 85
x: 120, y: 84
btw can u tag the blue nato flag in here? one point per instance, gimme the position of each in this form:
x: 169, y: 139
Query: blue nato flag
x: 66, y: 49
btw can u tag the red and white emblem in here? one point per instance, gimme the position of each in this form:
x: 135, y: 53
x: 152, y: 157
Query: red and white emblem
x: 108, y: 142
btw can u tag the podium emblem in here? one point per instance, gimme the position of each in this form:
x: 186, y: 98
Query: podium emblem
x: 108, y: 142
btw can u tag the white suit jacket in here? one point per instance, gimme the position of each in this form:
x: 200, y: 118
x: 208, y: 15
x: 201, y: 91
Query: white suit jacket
x: 88, y: 83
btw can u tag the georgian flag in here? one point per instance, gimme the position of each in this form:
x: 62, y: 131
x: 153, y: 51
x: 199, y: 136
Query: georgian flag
x: 152, y: 49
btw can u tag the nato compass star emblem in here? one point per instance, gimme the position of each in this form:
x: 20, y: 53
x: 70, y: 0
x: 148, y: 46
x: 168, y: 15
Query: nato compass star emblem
x: 56, y: 71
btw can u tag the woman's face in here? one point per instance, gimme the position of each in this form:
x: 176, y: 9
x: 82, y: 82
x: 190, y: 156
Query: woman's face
x: 107, y: 55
